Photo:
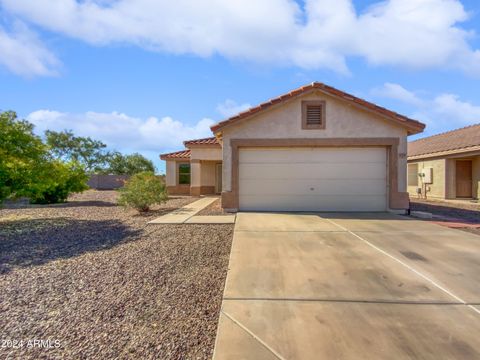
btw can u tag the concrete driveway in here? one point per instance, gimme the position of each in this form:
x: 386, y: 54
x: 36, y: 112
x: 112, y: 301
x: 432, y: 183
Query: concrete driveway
x: 349, y: 286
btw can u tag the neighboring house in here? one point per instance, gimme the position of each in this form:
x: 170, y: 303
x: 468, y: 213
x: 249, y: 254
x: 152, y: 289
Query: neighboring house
x: 313, y: 149
x: 446, y: 166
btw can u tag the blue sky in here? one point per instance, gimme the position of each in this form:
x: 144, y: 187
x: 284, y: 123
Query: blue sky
x: 145, y: 75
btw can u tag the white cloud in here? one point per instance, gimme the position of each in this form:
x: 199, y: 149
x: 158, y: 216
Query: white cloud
x: 451, y: 108
x: 22, y: 53
x: 397, y: 92
x: 441, y: 112
x: 122, y: 132
x: 322, y: 34
x: 230, y: 108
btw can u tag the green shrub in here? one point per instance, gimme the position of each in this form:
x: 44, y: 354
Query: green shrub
x: 21, y: 155
x: 56, y: 182
x: 142, y: 191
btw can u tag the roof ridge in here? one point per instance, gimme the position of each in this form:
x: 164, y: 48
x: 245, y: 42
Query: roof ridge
x: 444, y: 133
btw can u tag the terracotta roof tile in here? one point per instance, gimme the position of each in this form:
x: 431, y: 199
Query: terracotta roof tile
x: 205, y: 141
x: 452, y: 140
x: 414, y: 126
x: 183, y: 154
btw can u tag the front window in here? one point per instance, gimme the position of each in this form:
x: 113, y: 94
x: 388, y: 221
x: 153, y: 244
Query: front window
x: 184, y: 174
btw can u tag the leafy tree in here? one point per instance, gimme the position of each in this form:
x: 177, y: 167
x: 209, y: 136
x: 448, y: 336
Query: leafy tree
x: 119, y: 164
x: 21, y: 155
x: 64, y: 145
x: 142, y: 191
x: 28, y: 169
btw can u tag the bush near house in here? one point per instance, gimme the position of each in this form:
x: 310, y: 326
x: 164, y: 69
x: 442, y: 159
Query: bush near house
x: 142, y: 191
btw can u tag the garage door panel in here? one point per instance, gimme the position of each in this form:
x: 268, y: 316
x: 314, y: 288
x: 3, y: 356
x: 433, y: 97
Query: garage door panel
x: 311, y: 155
x: 314, y: 187
x: 288, y: 170
x: 313, y: 179
x: 312, y: 203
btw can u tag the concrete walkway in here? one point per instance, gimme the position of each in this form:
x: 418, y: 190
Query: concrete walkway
x: 349, y: 286
x: 181, y: 215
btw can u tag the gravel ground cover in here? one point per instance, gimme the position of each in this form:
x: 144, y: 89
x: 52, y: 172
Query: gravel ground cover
x: 106, y: 285
x: 214, y: 208
x: 468, y: 211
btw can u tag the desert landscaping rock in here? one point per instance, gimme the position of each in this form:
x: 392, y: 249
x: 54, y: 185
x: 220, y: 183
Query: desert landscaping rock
x: 106, y: 285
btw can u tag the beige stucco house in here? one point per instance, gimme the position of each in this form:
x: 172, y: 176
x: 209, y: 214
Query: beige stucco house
x: 315, y: 148
x: 446, y: 166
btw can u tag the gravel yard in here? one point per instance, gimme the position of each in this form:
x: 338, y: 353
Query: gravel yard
x: 107, y: 285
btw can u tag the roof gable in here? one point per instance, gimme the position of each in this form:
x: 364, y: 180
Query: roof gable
x: 413, y: 126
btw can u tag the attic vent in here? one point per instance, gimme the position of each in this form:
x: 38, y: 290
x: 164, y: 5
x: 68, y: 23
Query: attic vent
x: 313, y: 114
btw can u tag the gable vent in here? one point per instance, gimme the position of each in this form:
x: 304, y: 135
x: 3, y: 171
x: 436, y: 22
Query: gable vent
x: 314, y: 114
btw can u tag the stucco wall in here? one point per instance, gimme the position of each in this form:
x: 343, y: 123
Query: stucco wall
x: 195, y: 173
x: 206, y: 153
x: 438, y: 186
x: 342, y: 120
x: 171, y: 175
x: 208, y: 173
x: 450, y: 173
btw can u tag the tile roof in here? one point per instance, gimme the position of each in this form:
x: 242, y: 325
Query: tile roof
x: 463, y: 138
x: 183, y: 154
x: 205, y: 141
x: 414, y: 126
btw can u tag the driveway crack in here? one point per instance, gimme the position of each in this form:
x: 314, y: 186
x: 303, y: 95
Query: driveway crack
x: 244, y: 328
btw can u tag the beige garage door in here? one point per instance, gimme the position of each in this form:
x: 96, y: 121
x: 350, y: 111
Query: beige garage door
x: 313, y: 179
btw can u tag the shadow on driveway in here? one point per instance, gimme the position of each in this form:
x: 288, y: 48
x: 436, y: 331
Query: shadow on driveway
x: 27, y: 242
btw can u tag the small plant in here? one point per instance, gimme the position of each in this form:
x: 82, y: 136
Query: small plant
x: 142, y: 191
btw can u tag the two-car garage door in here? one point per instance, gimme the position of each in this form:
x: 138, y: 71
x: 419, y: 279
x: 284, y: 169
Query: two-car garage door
x: 313, y: 179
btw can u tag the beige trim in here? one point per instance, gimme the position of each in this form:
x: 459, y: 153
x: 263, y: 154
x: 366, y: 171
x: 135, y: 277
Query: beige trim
x: 397, y: 200
x: 305, y: 105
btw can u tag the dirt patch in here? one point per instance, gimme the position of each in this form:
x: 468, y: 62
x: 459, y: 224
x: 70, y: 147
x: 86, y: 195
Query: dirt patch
x: 467, y: 212
x: 107, y: 285
x: 214, y: 208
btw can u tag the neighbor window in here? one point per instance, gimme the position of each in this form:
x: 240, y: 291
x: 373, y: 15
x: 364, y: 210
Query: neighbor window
x: 412, y: 174
x: 184, y: 174
x: 313, y: 114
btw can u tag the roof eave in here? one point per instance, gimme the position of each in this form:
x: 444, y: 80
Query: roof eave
x: 445, y: 153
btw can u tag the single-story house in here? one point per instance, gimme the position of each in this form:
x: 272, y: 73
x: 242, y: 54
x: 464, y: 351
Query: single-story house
x: 315, y: 148
x: 447, y: 165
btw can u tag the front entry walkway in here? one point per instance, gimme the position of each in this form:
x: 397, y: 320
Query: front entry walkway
x: 186, y: 215
x: 181, y: 215
x: 349, y: 286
